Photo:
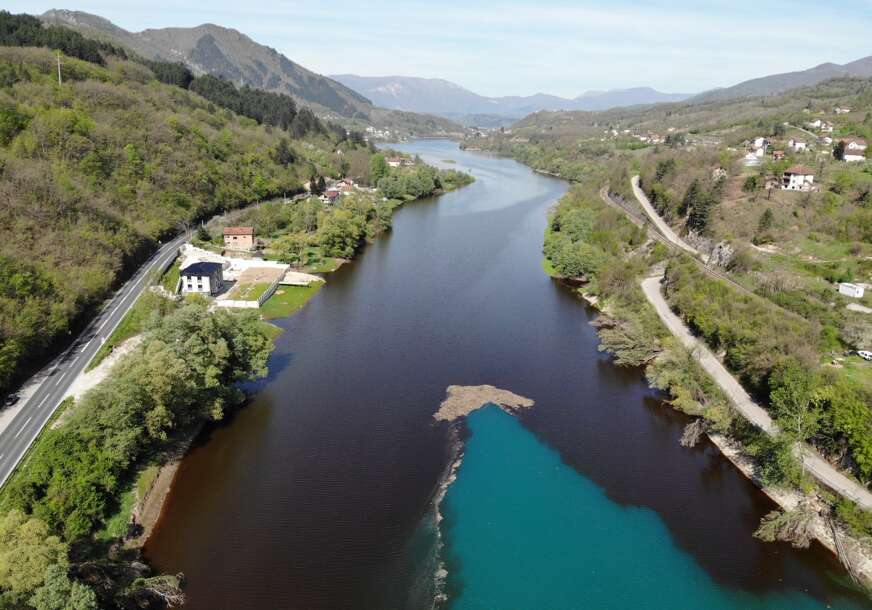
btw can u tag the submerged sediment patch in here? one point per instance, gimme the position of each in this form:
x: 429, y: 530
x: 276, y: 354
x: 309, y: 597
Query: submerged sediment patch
x: 464, y: 399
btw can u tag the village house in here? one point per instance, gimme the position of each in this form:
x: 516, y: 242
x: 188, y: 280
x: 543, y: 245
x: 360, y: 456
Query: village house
x: 841, y: 110
x: 858, y: 144
x: 203, y: 277
x: 797, y: 178
x: 759, y: 143
x: 855, y: 149
x: 852, y: 290
x: 815, y: 124
x: 239, y: 238
x: 751, y: 160
x: 395, y: 161
x: 826, y: 127
x: 827, y: 140
x: 330, y: 196
x: 777, y: 155
x: 797, y: 145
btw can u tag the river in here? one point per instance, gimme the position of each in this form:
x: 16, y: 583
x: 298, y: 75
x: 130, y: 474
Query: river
x: 320, y: 493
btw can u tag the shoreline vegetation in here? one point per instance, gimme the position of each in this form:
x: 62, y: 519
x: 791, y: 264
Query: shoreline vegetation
x: 764, y: 297
x: 96, y: 172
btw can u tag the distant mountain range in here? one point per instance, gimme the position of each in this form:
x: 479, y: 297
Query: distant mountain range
x: 779, y: 83
x: 397, y: 101
x: 442, y: 97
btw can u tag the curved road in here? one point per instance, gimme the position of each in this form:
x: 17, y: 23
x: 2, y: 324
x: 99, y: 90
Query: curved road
x: 814, y: 464
x: 26, y: 425
x: 661, y: 225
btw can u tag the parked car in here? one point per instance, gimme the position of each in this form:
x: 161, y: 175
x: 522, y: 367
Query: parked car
x: 864, y: 354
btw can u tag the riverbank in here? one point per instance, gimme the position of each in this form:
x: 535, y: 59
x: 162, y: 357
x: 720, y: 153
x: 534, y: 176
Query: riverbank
x: 630, y: 329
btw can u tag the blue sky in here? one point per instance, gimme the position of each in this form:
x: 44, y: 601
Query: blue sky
x: 527, y: 46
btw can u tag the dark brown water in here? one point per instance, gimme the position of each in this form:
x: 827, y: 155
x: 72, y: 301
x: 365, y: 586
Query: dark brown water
x: 319, y: 494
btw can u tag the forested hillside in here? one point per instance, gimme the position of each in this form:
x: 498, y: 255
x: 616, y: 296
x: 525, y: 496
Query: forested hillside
x: 99, y: 169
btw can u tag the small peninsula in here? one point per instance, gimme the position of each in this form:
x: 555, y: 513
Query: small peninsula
x: 464, y: 399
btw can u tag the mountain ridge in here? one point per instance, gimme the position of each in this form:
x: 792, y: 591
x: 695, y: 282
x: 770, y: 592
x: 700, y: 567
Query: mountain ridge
x: 446, y: 98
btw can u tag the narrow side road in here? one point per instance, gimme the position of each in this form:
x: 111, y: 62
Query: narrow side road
x: 661, y: 225
x: 20, y: 432
x: 814, y: 464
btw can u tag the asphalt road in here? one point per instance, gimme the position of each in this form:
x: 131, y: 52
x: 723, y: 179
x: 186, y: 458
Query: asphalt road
x: 16, y: 439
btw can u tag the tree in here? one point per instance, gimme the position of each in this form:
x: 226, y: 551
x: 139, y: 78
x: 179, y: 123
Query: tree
x: 699, y: 216
x: 378, y: 168
x: 691, y: 197
x: 60, y: 593
x: 766, y: 221
x: 27, y: 550
x: 790, y: 394
x: 839, y: 150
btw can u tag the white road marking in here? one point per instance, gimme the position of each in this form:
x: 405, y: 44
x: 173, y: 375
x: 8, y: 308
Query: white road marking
x: 21, y: 429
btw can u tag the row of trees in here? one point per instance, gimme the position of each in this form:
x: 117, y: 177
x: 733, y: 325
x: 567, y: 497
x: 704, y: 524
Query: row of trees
x: 185, y: 372
x: 28, y: 31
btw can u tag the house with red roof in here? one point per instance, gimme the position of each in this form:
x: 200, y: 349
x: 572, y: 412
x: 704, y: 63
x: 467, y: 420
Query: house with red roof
x: 797, y: 178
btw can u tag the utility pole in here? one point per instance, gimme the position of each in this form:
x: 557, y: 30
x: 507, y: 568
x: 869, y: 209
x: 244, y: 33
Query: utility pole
x: 59, y: 69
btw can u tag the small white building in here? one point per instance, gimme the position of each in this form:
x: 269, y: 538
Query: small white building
x: 815, y: 124
x: 797, y: 178
x: 841, y: 110
x: 752, y: 160
x: 852, y: 290
x: 203, y: 277
x: 826, y: 139
x: 759, y: 142
x: 797, y: 145
x: 853, y: 156
x: 826, y: 127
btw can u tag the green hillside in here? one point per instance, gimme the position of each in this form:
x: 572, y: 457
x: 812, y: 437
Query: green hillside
x: 95, y: 172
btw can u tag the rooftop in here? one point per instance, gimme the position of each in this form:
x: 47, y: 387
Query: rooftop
x: 238, y: 230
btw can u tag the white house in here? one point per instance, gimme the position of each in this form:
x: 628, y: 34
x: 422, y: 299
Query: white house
x: 852, y: 290
x: 855, y: 149
x: 815, y: 124
x: 827, y: 139
x: 797, y: 178
x: 203, y: 277
x: 759, y: 142
x: 841, y: 110
x: 752, y: 160
x: 827, y: 127
x: 797, y: 145
x: 858, y: 144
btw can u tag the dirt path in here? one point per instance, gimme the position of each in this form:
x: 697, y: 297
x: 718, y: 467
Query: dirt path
x: 822, y: 470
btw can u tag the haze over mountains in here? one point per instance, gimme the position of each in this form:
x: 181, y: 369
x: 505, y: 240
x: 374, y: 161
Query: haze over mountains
x: 433, y: 105
x: 439, y: 96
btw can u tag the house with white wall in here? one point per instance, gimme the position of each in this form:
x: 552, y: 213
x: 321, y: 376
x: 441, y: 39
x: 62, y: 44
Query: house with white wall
x: 797, y: 178
x: 203, y: 277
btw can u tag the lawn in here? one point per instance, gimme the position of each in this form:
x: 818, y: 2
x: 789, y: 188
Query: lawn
x: 249, y: 292
x: 287, y: 300
x: 170, y: 278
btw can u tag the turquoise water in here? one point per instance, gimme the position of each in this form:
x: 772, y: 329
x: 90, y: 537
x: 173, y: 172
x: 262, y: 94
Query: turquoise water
x: 525, y: 531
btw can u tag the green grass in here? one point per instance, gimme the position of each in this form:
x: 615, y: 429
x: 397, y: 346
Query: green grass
x: 858, y: 371
x: 325, y: 265
x: 170, y: 278
x: 548, y: 268
x: 116, y: 525
x: 249, y: 292
x: 131, y: 324
x: 65, y: 404
x: 287, y: 300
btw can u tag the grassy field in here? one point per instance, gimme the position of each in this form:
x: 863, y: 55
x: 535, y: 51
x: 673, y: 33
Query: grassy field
x: 288, y: 300
x: 249, y: 292
x: 130, y: 325
x: 170, y: 278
